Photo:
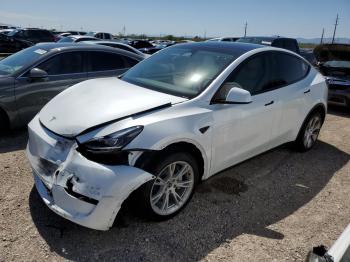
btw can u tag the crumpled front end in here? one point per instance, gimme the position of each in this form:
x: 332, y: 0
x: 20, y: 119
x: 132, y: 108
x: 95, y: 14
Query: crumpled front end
x: 83, y: 191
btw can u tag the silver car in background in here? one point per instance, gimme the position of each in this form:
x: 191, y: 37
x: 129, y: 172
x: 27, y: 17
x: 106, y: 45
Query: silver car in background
x: 31, y: 77
x: 116, y: 44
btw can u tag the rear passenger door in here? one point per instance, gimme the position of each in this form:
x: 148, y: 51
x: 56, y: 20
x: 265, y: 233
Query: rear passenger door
x: 105, y: 64
x: 64, y: 70
x: 290, y: 77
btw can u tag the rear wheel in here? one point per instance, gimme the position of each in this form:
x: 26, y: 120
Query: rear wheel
x: 171, y: 190
x: 4, y: 123
x: 309, y: 132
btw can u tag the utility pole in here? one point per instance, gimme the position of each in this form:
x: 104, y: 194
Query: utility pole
x: 322, y: 36
x: 205, y: 34
x: 335, y: 28
x: 124, y: 29
x: 245, y: 29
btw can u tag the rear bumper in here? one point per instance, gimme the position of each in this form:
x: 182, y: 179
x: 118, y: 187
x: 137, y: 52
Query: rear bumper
x: 85, y: 192
x: 338, y: 91
x: 339, y: 97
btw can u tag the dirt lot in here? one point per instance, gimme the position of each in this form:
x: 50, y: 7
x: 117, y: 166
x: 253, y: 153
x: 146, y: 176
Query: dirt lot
x: 274, y: 207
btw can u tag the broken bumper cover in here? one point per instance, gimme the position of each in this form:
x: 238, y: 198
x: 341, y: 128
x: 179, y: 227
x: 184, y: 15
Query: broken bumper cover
x: 80, y: 190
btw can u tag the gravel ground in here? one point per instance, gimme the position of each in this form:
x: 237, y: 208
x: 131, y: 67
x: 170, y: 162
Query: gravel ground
x: 274, y: 207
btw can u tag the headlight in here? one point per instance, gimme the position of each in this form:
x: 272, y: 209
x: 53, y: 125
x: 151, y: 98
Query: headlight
x: 113, y: 142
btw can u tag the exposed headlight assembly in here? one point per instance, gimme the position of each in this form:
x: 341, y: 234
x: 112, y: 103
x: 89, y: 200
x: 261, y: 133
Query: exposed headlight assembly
x: 112, y: 143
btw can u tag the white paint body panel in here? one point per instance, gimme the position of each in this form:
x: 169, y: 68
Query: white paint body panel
x: 236, y: 132
x: 83, y: 105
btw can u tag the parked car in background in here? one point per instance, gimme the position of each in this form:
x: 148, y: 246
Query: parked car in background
x: 34, y: 35
x: 154, y: 49
x: 308, y: 54
x: 116, y: 44
x: 138, y: 44
x: 76, y: 39
x: 100, y: 35
x: 31, y: 77
x: 77, y: 32
x: 178, y: 117
x: 276, y: 41
x: 11, y: 45
x: 333, y: 61
x: 6, y: 31
x: 224, y: 39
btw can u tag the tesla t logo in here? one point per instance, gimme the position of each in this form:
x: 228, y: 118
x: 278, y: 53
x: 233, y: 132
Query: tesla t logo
x: 53, y: 118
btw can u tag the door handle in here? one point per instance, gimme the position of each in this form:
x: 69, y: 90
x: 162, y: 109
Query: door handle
x: 307, y: 91
x: 270, y: 103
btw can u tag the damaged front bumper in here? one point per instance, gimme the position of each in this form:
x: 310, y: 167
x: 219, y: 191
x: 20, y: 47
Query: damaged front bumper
x: 83, y: 191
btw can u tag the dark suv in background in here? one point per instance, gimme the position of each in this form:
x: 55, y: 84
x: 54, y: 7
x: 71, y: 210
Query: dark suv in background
x: 33, y: 35
x: 276, y: 41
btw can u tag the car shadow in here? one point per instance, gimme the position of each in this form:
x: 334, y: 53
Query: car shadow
x: 244, y: 199
x: 13, y: 140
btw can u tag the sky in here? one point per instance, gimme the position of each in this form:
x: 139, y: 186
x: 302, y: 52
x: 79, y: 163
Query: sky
x: 291, y: 18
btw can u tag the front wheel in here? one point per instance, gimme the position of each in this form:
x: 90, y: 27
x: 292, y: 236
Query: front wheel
x: 309, y: 132
x: 171, y: 190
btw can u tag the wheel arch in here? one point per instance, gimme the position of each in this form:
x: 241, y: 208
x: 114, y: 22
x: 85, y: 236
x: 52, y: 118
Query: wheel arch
x: 149, y: 157
x: 320, y: 107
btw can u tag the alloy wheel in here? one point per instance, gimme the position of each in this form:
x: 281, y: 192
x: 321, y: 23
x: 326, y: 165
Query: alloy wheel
x: 172, y: 188
x: 312, y: 131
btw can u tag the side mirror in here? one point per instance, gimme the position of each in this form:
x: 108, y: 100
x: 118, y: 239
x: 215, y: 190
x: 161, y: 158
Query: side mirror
x: 37, y: 73
x: 238, y: 95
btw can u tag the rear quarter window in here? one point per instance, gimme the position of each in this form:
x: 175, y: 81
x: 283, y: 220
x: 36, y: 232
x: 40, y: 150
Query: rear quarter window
x: 288, y: 69
x: 104, y: 61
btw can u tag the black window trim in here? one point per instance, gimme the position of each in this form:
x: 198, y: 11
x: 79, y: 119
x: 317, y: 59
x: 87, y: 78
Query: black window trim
x: 45, y: 59
x: 89, y: 65
x: 236, y: 69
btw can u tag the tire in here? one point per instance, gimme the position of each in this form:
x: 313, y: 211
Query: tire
x: 309, y: 132
x: 4, y: 123
x: 166, y: 195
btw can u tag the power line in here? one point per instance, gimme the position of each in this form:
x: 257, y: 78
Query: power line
x: 335, y: 28
x: 322, y: 36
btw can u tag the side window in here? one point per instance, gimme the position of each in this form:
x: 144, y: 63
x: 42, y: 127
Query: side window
x: 103, y: 61
x: 66, y: 63
x: 107, y: 36
x: 98, y: 35
x: 130, y: 61
x: 287, y: 68
x: 252, y: 75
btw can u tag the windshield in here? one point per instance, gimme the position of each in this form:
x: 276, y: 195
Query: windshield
x: 66, y: 40
x: 13, y: 63
x: 336, y: 63
x: 180, y: 71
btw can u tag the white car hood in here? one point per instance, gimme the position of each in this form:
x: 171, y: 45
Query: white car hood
x: 98, y: 101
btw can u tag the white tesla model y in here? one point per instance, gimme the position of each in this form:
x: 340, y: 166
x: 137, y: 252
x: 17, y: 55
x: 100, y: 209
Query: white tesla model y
x: 176, y: 118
